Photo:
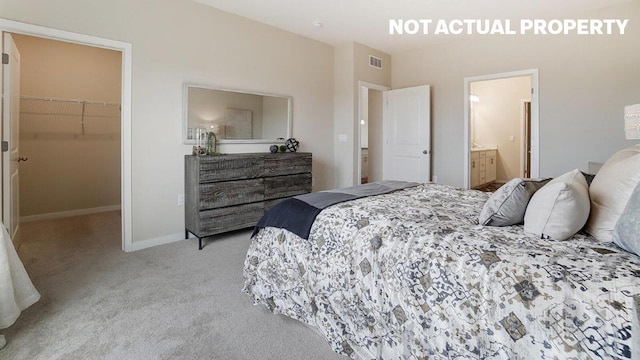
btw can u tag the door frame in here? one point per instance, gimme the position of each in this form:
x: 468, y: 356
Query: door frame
x: 523, y: 135
x: 358, y: 132
x: 535, y: 122
x: 125, y: 119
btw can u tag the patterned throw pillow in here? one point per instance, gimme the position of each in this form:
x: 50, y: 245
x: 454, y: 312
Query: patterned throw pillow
x: 508, y: 204
x: 625, y: 233
x: 560, y: 209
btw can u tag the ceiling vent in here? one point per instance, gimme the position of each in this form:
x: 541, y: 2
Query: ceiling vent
x: 376, y: 62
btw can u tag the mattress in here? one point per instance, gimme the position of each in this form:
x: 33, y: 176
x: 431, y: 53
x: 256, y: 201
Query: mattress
x: 411, y: 275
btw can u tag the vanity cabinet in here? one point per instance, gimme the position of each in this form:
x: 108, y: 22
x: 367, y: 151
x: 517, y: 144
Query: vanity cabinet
x: 483, y: 167
x: 364, y: 165
x: 475, y: 169
x: 491, y: 165
x: 231, y: 192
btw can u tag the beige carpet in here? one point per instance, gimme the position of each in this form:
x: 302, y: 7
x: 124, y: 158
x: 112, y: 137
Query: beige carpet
x: 167, y: 302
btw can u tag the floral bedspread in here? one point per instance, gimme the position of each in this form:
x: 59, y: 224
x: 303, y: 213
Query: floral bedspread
x: 411, y: 275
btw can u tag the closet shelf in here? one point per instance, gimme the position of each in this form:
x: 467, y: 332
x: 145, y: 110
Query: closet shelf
x: 55, y: 109
x: 75, y: 101
x: 55, y: 106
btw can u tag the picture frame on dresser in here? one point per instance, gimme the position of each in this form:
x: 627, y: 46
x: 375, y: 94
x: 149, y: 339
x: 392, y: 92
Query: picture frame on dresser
x: 232, y: 192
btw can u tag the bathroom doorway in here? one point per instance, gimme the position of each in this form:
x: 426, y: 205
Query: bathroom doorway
x: 501, y: 130
x: 370, y: 132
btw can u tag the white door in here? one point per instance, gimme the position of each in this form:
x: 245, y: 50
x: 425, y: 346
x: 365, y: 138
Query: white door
x: 407, y: 134
x: 10, y: 122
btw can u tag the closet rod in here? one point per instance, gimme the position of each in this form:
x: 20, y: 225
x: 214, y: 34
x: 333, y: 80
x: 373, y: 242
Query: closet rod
x: 68, y: 100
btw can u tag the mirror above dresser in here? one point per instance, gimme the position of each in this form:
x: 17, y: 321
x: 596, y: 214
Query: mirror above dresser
x: 235, y: 116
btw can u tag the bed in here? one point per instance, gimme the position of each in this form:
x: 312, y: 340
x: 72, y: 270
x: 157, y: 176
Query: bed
x: 411, y: 275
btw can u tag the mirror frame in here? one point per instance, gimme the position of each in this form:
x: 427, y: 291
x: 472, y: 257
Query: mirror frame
x: 185, y: 115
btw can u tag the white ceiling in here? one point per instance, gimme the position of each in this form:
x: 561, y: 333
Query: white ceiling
x: 367, y: 21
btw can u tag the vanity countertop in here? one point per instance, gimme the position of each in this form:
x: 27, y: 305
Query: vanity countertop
x: 484, y: 148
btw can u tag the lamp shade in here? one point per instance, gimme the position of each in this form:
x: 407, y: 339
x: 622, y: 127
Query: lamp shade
x: 632, y: 122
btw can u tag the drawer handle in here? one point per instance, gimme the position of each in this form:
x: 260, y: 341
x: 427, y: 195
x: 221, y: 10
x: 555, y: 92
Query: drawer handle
x: 473, y: 164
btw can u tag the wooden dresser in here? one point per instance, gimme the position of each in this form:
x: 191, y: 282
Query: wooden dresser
x: 231, y: 192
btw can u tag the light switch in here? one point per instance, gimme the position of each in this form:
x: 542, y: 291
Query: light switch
x: 342, y: 137
x: 512, y: 138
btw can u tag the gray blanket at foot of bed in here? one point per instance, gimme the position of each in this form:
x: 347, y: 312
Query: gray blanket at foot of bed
x: 298, y: 213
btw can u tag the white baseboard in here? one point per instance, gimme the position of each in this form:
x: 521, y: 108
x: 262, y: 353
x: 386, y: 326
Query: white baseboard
x: 63, y: 214
x: 162, y: 240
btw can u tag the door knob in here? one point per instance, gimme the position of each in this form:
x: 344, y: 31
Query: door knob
x: 425, y: 152
x: 23, y: 159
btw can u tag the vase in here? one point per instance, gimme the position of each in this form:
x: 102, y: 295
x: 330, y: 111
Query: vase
x: 211, y: 143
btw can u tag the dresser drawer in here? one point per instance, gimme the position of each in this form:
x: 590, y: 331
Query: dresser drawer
x: 287, y: 163
x: 217, y: 221
x: 221, y: 168
x: 286, y: 186
x: 233, y: 191
x: 221, y: 194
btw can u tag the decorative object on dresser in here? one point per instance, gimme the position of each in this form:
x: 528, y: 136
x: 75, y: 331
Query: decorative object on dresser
x: 211, y: 143
x: 231, y: 192
x: 292, y: 144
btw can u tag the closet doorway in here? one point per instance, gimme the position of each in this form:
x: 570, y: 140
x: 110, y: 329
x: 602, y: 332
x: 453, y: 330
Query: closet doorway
x: 501, y: 128
x: 125, y: 51
x: 69, y: 132
x: 370, y: 127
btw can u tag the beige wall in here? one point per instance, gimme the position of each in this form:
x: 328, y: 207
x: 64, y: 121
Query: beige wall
x: 585, y: 81
x: 177, y: 41
x: 68, y: 169
x: 497, y: 117
x: 351, y: 64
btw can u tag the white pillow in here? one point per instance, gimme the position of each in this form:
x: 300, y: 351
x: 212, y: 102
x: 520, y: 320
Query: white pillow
x: 610, y: 191
x: 560, y: 208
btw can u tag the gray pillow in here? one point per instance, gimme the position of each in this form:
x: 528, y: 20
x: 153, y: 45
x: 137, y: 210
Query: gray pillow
x: 626, y: 233
x: 588, y: 177
x: 508, y: 204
